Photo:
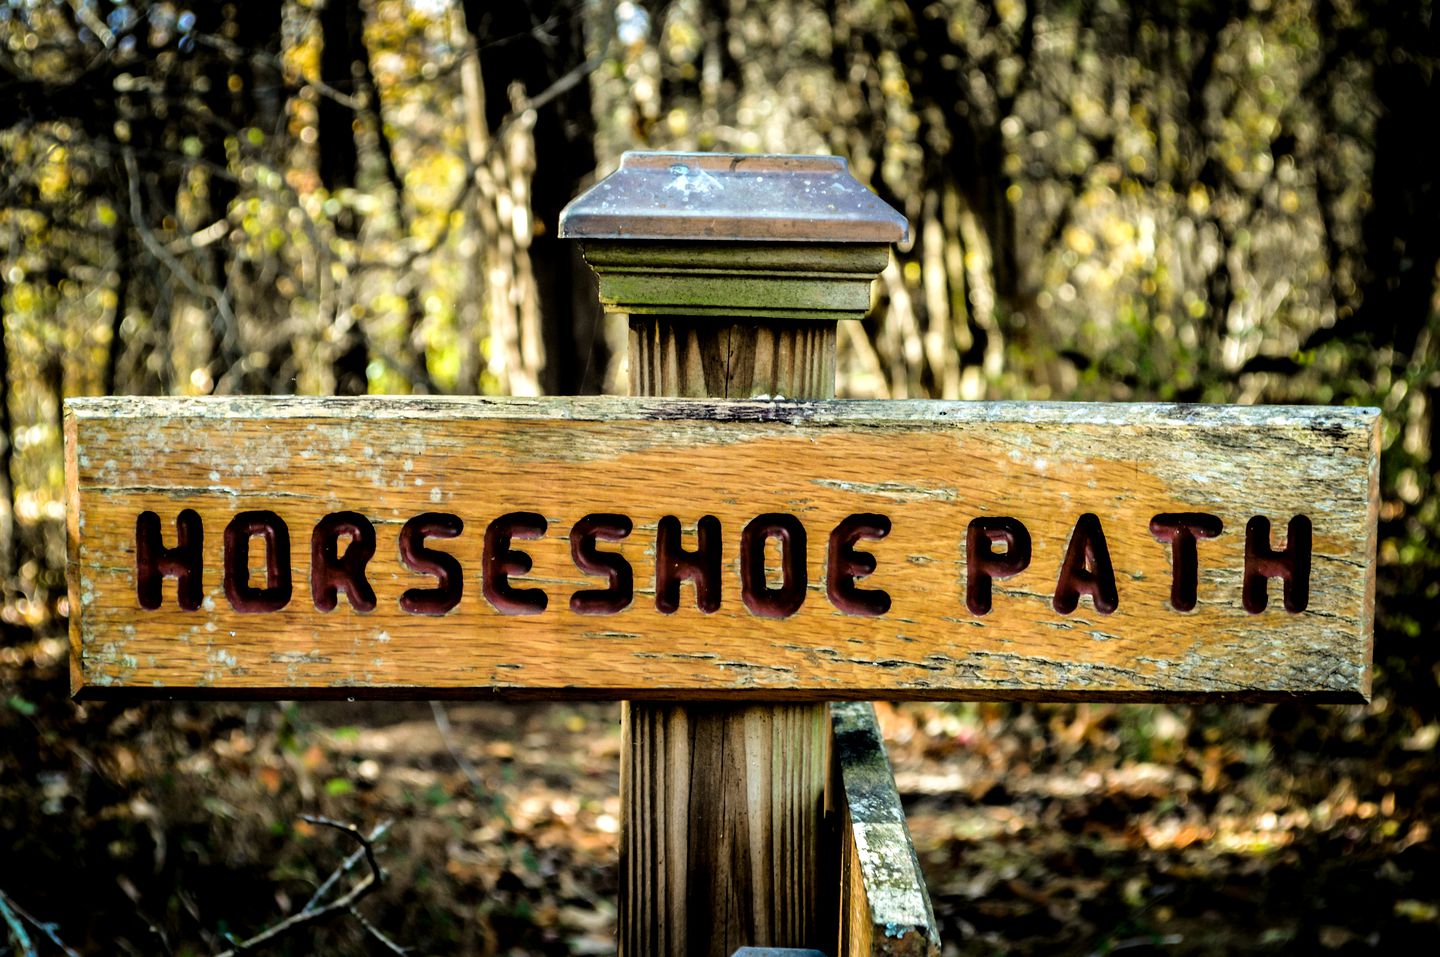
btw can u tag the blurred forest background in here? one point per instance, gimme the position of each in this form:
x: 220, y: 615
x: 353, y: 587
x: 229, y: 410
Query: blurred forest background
x: 1200, y: 200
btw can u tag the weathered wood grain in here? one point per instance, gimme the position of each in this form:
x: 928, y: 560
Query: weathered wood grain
x: 709, y: 358
x: 747, y: 824
x: 929, y: 467
x: 884, y: 907
x: 721, y: 839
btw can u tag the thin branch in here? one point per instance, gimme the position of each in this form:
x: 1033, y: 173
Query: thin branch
x: 302, y: 918
x: 313, y: 911
x: 24, y: 86
x: 417, y: 374
x: 233, y: 50
x: 201, y: 238
x: 15, y: 918
x: 92, y: 21
x: 525, y: 111
x: 447, y: 734
x: 379, y: 831
x: 18, y: 935
x: 417, y: 252
x: 366, y: 845
x: 378, y: 934
x: 152, y: 243
x: 563, y: 85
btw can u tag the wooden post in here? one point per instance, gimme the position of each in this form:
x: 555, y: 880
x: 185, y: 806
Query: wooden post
x: 733, y: 284
x: 724, y: 803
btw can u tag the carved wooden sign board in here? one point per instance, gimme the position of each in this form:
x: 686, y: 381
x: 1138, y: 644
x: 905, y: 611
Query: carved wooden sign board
x: 626, y: 548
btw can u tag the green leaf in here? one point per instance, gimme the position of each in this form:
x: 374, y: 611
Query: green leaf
x: 338, y: 787
x: 27, y: 708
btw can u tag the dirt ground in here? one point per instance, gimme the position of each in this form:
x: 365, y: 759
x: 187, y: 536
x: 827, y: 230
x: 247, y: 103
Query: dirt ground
x: 162, y: 828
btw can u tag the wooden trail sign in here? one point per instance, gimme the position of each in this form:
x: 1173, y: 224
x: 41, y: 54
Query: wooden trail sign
x: 651, y: 549
x: 749, y: 552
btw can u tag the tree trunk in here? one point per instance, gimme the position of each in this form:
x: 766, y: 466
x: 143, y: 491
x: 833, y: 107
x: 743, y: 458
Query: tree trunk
x: 544, y: 41
x: 342, y: 31
x: 8, y: 558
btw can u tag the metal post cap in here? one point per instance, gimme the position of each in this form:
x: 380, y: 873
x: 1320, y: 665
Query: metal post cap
x: 734, y: 236
x: 732, y: 196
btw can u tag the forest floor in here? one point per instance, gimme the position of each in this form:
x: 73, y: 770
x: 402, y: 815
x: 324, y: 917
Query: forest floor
x: 160, y: 828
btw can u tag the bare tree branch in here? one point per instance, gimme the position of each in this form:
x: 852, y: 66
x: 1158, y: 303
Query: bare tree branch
x: 232, y: 50
x: 379, y: 831
x: 377, y: 933
x: 16, y: 918
x: 447, y: 734
x: 523, y: 111
x: 229, y: 332
x: 314, y: 911
x: 18, y: 935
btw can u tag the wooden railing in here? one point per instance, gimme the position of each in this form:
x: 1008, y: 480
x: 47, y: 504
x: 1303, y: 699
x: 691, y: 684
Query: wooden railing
x: 884, y: 907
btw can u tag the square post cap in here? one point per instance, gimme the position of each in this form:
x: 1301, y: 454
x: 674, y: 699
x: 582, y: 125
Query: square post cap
x: 734, y: 235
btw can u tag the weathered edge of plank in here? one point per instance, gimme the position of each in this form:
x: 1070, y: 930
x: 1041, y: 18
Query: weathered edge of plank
x: 72, y: 550
x: 861, y: 412
x: 511, y: 693
x: 1372, y: 550
x: 885, y: 908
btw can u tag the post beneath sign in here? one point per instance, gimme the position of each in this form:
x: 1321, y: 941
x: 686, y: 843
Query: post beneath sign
x: 720, y: 843
x: 680, y: 357
x: 723, y: 804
